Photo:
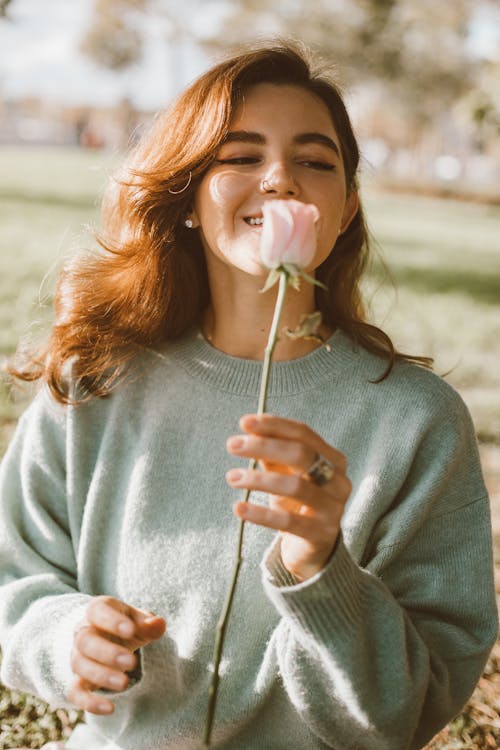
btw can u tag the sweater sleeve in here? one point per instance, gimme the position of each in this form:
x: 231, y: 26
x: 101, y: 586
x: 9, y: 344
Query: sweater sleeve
x: 39, y: 601
x: 381, y: 655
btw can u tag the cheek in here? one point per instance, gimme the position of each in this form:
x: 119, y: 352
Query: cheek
x: 221, y: 193
x: 224, y: 189
x: 333, y: 212
x: 216, y: 204
x: 327, y: 237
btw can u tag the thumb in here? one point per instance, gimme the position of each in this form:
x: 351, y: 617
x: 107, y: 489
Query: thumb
x: 149, y: 626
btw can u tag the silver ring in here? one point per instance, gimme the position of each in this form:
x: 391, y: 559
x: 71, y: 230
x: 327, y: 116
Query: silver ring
x: 188, y: 183
x: 266, y: 186
x: 320, y: 471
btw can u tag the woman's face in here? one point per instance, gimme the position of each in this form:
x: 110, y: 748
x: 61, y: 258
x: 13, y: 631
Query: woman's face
x: 282, y: 136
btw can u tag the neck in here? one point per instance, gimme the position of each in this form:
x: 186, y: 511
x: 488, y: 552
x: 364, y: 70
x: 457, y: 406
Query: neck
x: 239, y: 318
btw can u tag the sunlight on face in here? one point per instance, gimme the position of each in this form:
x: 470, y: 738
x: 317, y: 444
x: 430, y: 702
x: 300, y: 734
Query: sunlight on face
x: 282, y: 135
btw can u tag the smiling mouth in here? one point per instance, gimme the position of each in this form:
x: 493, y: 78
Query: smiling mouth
x: 254, y: 221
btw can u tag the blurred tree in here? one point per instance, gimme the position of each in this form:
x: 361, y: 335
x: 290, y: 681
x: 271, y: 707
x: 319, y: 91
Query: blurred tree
x: 479, y: 109
x: 417, y: 49
x: 120, y: 31
x: 4, y: 4
x: 115, y: 38
x: 112, y: 40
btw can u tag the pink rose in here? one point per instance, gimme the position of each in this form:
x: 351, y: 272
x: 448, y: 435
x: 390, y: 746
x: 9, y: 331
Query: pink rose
x: 288, y: 233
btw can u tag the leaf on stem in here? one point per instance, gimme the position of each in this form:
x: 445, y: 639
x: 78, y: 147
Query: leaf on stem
x: 308, y: 328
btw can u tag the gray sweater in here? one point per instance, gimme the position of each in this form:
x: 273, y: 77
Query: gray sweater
x: 126, y: 496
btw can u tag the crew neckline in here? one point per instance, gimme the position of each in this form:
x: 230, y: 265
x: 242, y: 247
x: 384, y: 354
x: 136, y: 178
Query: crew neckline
x: 242, y: 376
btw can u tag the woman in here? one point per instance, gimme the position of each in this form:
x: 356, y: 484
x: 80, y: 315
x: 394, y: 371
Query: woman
x: 373, y: 612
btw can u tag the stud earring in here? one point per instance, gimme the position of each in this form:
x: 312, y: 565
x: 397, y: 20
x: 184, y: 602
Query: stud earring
x: 188, y: 223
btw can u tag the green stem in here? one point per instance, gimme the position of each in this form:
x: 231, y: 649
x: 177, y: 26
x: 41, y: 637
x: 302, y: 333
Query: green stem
x: 226, y: 610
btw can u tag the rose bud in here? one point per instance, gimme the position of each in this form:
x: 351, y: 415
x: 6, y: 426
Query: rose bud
x: 288, y: 234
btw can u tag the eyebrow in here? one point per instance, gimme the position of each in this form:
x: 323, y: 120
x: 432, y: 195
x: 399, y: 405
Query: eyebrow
x: 248, y: 136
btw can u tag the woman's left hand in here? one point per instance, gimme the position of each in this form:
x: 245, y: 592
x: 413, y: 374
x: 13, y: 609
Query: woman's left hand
x: 307, y: 515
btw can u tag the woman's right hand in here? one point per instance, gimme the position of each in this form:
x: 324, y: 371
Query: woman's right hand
x: 103, y: 650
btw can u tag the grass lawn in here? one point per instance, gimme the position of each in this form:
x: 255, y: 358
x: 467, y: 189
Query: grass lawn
x: 48, y: 199
x: 444, y: 261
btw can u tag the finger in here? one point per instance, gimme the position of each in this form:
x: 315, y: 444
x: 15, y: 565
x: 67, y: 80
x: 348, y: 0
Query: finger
x: 285, y: 503
x: 288, y: 485
x: 289, y: 429
x: 98, y: 675
x: 149, y: 627
x: 273, y: 451
x: 81, y: 696
x: 313, y: 529
x: 111, y: 616
x: 90, y: 643
x: 123, y: 621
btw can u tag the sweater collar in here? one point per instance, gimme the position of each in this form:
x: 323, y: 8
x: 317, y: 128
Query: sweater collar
x: 242, y: 376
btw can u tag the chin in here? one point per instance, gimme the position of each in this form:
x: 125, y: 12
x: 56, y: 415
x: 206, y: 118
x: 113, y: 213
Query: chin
x: 257, y: 271
x: 249, y: 264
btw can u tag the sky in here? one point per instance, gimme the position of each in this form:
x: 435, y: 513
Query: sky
x: 39, y: 54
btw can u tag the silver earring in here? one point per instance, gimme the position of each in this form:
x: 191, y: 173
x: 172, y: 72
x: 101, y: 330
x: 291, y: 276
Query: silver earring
x: 188, y: 223
x: 188, y: 183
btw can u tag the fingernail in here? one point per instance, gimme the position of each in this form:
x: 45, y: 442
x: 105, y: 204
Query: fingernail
x: 242, y: 509
x: 105, y: 708
x: 236, y: 443
x: 126, y: 629
x: 235, y: 476
x: 251, y: 422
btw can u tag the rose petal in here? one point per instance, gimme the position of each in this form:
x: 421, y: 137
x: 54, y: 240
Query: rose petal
x: 288, y: 233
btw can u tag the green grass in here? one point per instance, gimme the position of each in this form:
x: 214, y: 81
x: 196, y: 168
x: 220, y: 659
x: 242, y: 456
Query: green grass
x: 48, y: 200
x: 444, y: 259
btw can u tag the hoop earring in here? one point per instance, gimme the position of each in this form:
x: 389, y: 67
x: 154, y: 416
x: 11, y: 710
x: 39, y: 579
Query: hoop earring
x: 188, y: 183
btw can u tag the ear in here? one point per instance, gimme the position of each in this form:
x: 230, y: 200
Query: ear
x: 350, y: 210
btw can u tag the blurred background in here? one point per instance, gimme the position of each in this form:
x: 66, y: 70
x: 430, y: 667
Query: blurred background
x: 423, y: 78
x: 80, y: 80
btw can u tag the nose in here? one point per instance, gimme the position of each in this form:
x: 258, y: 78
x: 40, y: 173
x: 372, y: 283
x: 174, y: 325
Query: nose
x: 280, y: 181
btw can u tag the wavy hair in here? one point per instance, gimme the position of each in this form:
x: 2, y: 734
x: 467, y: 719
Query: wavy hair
x: 148, y: 284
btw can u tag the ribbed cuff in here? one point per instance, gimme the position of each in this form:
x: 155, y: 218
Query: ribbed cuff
x: 66, y: 619
x: 328, y: 602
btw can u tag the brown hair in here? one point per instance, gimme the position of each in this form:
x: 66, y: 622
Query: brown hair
x: 149, y: 282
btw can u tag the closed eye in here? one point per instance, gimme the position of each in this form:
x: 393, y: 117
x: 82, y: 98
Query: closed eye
x: 326, y: 166
x: 238, y: 160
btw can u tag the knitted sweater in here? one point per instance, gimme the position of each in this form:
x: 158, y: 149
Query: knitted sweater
x: 127, y: 496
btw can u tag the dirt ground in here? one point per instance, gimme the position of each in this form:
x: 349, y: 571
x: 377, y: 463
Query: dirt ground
x: 490, y: 458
